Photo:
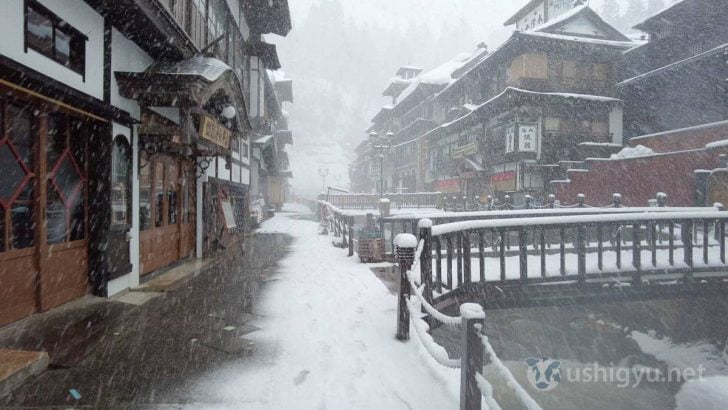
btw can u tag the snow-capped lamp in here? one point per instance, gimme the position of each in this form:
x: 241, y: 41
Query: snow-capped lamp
x: 229, y: 112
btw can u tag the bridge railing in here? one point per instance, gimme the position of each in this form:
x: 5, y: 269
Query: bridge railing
x: 608, y: 249
x: 407, y: 223
x: 371, y: 201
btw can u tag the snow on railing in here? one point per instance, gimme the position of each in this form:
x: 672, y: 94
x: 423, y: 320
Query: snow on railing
x: 441, y: 317
x: 486, y: 390
x: 437, y: 352
x: 521, y: 394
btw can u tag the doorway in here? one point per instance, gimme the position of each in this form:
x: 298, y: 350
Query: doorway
x: 166, y: 210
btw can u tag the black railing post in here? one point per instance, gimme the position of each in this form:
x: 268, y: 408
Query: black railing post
x: 523, y: 255
x: 636, y: 255
x: 466, y: 258
x: 581, y: 253
x: 552, y: 200
x: 351, y: 236
x: 686, y: 231
x: 425, y: 226
x: 528, y: 199
x: 580, y: 199
x: 471, y: 362
x: 617, y: 200
x: 490, y: 202
x: 405, y: 256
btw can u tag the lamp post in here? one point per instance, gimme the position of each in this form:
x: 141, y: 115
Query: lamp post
x: 323, y: 172
x: 382, y: 147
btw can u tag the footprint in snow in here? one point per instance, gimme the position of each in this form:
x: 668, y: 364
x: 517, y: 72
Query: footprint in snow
x: 301, y: 377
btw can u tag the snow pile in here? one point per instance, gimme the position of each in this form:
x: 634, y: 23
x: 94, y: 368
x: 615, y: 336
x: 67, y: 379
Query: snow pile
x: 717, y: 144
x: 633, y: 152
x: 405, y: 240
x: 704, y: 394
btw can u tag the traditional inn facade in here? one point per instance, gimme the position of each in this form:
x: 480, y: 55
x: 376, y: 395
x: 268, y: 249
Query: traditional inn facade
x: 125, y: 138
x: 511, y: 120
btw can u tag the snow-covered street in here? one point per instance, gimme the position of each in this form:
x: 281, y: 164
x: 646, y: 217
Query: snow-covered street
x: 327, y: 340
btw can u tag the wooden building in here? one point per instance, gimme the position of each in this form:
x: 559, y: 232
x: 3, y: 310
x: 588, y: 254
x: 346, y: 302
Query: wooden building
x: 124, y: 138
x: 528, y: 107
x: 677, y: 79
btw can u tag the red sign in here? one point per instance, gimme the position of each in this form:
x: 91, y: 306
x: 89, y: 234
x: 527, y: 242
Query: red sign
x: 444, y: 183
x: 503, y: 176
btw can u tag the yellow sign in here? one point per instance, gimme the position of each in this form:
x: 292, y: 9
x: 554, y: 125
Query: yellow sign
x: 215, y: 132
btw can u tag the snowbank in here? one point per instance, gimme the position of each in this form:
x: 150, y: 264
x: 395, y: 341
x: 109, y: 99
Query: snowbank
x: 705, y: 394
x: 633, y: 152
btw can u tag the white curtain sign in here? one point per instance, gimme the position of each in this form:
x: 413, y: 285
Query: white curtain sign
x: 527, y: 137
x: 510, y: 138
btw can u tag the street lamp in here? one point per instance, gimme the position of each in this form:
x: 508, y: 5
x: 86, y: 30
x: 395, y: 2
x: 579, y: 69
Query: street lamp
x: 382, y: 149
x: 323, y: 172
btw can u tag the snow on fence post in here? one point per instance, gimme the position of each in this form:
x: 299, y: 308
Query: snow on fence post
x: 351, y: 235
x: 425, y: 226
x: 661, y: 199
x: 471, y: 362
x: 528, y: 199
x: 405, y: 245
x: 490, y: 202
x: 509, y: 203
x: 580, y: 198
x: 617, y: 200
x: 718, y: 224
x: 552, y: 200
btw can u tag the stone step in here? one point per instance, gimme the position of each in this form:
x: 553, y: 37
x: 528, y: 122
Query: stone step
x: 16, y: 366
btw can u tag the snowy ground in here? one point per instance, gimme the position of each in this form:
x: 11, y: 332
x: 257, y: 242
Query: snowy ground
x: 327, y: 340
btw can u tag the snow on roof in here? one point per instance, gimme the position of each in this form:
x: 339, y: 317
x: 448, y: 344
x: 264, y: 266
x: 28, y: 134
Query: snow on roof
x: 696, y: 57
x: 442, y: 74
x: 693, y: 128
x: 207, y: 67
x: 559, y: 19
x: 674, y: 4
x: 470, y: 107
x: 264, y: 139
x: 585, y: 40
x: 599, y: 98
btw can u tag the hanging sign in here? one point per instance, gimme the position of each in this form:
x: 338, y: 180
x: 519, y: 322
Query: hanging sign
x: 510, y: 138
x: 527, y: 137
x: 213, y: 131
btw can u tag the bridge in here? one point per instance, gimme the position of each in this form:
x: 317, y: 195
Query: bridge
x: 455, y: 266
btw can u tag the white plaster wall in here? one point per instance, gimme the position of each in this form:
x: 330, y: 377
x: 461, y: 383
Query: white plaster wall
x: 582, y: 25
x: 222, y: 172
x: 236, y: 173
x: 76, y: 13
x: 126, y: 57
x: 244, y: 176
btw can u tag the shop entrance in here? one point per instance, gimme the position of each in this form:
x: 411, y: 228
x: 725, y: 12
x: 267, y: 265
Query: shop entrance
x: 43, y: 207
x: 166, y: 210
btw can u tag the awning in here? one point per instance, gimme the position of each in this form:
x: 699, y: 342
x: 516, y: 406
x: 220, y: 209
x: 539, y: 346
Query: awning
x: 266, y: 52
x: 188, y: 82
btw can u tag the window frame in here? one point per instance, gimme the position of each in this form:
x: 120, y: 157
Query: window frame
x: 57, y: 24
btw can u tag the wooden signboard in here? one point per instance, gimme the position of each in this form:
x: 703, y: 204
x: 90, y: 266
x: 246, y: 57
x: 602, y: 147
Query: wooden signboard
x: 213, y: 131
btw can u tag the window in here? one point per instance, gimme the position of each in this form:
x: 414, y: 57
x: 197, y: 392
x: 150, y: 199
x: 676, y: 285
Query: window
x: 158, y: 193
x: 47, y: 34
x: 121, y: 182
x: 145, y: 191
x: 17, y: 211
x: 65, y: 203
